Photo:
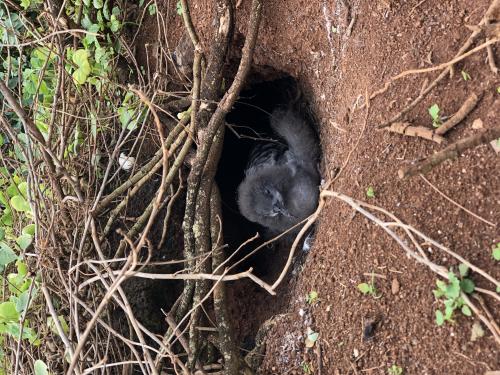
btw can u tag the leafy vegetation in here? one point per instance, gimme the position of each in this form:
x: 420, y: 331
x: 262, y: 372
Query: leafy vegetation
x: 369, y: 288
x: 395, y: 370
x: 495, y: 251
x: 450, y: 292
x: 306, y: 367
x: 34, y: 73
x: 434, y: 113
x: 370, y: 192
x: 312, y: 297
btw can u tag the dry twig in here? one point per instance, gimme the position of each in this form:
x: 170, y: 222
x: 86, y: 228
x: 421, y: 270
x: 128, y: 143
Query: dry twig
x: 462, y: 113
x: 406, y: 128
x: 450, y: 152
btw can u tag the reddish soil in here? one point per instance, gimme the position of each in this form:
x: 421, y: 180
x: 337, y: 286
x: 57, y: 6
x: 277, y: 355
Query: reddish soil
x: 334, y: 69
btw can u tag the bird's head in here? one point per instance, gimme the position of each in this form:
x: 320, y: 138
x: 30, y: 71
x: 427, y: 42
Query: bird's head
x: 262, y: 197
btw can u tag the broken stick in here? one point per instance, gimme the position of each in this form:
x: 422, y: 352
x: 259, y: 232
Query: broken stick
x: 415, y: 131
x: 462, y: 113
x: 450, y: 152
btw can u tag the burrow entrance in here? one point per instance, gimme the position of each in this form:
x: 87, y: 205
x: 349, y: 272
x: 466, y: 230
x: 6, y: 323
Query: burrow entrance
x: 248, y: 122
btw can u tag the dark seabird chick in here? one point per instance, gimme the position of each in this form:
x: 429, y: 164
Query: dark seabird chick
x: 281, y: 184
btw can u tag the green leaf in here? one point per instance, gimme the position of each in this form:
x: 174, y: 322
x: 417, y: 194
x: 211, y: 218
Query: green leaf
x: 98, y: 4
x: 6, y: 218
x: 81, y: 59
x: 178, y: 7
x: 23, y: 301
x: 8, y: 312
x: 114, y: 24
x: 2, y: 233
x: 448, y: 312
x: 25, y: 4
x: 312, y: 297
x: 453, y: 288
x: 365, y: 288
x: 40, y: 368
x: 466, y: 310
x: 463, y: 269
x: 7, y: 255
x: 434, y: 112
x: 496, y: 252
x: 370, y: 193
x: 23, y: 188
x: 18, y: 283
x: 152, y: 9
x: 467, y: 285
x: 20, y: 204
x: 439, y: 318
x: 12, y: 190
x: 438, y: 293
x: 3, y: 200
x: 29, y: 229
x: 24, y: 240
x: 465, y: 75
x: 441, y: 285
x: 22, y: 268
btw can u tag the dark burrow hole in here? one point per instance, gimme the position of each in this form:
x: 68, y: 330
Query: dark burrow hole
x: 250, y: 118
x: 246, y: 123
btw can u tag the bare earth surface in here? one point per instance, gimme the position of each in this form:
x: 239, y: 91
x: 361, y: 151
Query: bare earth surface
x: 336, y: 66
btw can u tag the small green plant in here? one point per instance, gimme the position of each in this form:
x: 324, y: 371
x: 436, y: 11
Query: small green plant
x: 312, y: 297
x: 495, y: 251
x: 465, y: 75
x: 152, y: 9
x: 369, y: 288
x: 306, y: 367
x: 179, y: 7
x: 451, y: 292
x: 434, y: 113
x: 498, y: 90
x: 370, y: 192
x: 395, y: 370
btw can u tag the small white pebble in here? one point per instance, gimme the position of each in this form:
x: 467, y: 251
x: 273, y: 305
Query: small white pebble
x: 126, y: 162
x: 301, y: 312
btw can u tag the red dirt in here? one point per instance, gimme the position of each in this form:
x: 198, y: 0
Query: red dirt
x: 386, y: 39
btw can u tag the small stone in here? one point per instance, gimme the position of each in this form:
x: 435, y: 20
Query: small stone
x: 395, y: 286
x: 355, y: 353
x: 476, y: 332
x: 477, y: 124
x: 496, y: 145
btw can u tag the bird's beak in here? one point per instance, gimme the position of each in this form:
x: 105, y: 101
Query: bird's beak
x: 284, y: 212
